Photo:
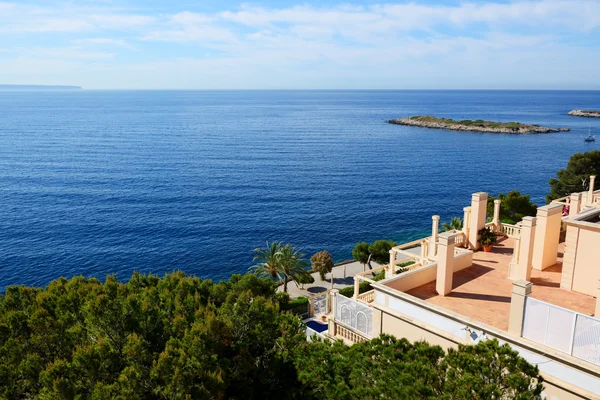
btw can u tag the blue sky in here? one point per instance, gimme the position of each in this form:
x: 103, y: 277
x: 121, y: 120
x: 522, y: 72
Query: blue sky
x: 185, y: 44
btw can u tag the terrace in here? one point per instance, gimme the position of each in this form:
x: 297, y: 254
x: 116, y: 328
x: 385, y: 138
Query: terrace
x: 483, y: 291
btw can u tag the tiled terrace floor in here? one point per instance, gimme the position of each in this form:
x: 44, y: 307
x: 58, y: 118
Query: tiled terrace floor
x: 483, y: 291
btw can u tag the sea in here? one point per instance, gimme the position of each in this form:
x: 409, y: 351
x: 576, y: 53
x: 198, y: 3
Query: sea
x: 111, y: 182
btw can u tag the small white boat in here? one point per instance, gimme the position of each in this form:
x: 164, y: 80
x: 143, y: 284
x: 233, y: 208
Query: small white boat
x: 590, y: 138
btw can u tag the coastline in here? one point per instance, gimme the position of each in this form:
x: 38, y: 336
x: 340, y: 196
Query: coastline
x: 511, y: 128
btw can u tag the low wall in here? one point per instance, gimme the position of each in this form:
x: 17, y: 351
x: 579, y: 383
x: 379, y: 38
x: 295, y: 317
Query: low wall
x: 421, y: 276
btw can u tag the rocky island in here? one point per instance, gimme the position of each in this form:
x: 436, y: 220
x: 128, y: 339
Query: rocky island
x: 474, y: 126
x: 585, y: 113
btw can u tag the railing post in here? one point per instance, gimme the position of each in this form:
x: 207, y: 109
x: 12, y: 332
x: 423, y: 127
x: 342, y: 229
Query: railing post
x: 496, y: 218
x: 575, y: 204
x: 547, y: 235
x: 356, y: 287
x: 435, y: 220
x: 590, y: 197
x: 466, y: 224
x: 389, y: 271
x: 520, y: 290
x: 445, y: 268
x: 477, y: 219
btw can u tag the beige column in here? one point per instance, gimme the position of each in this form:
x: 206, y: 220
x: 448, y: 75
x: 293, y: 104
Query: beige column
x: 597, y: 312
x: 477, y: 219
x: 423, y: 250
x: 547, y: 236
x: 590, y: 197
x: 445, y: 267
x: 356, y: 287
x: 435, y: 220
x: 389, y: 271
x: 528, y: 227
x: 466, y: 222
x: 497, y: 214
x: 331, y: 318
x: 513, y: 266
x: 520, y: 290
x: 575, y: 205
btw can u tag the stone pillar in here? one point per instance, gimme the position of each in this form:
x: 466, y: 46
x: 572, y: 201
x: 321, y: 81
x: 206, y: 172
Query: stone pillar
x: 477, y: 219
x: 547, y: 236
x: 389, y: 271
x: 575, y: 205
x: 423, y: 250
x: 376, y: 323
x: 520, y: 290
x: 466, y: 224
x: 597, y: 312
x: 513, y: 266
x: 497, y: 214
x: 590, y: 197
x: 445, y: 267
x: 435, y: 220
x: 356, y: 287
x: 331, y: 318
x: 528, y: 226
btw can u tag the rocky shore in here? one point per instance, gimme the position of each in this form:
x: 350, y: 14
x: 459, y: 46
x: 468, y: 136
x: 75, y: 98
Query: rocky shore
x: 585, y: 113
x: 512, y: 128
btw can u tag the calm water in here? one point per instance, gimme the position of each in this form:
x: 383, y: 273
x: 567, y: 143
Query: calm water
x: 98, y: 182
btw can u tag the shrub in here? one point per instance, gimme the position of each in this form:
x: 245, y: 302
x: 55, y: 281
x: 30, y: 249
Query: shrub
x: 322, y: 263
x: 381, y: 251
x: 282, y: 298
x: 305, y: 279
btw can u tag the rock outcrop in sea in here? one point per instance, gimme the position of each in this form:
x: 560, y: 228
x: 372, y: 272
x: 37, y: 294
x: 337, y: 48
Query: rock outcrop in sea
x: 585, y: 113
x: 512, y: 128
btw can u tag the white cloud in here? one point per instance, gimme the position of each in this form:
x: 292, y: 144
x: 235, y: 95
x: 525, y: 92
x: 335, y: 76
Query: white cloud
x: 401, y: 43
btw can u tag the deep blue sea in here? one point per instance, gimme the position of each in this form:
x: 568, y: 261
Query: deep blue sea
x: 100, y: 182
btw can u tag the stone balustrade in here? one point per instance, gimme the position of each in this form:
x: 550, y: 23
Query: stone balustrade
x: 348, y: 334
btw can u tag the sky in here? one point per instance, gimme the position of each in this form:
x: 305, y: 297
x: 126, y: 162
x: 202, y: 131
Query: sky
x: 224, y: 44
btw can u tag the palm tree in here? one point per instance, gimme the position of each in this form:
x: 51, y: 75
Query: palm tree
x: 456, y: 223
x: 279, y: 262
x: 293, y: 264
x: 269, y: 261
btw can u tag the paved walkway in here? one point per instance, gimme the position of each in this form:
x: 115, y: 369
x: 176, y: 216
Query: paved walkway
x: 339, y: 280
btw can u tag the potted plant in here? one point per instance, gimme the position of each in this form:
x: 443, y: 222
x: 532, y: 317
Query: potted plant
x: 487, y: 238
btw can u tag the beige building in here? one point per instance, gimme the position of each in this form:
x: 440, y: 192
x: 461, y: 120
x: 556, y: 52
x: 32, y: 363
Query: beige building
x: 538, y: 290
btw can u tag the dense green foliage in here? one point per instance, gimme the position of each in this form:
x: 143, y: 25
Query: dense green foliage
x: 149, y: 338
x: 380, y: 251
x: 478, y: 123
x: 456, y: 223
x: 280, y: 262
x: 390, y: 368
x: 575, y: 178
x: 181, y: 337
x: 322, y: 263
x: 361, y: 253
x: 513, y: 208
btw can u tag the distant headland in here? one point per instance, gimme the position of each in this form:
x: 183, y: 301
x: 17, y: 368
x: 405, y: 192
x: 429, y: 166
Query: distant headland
x: 585, y: 113
x: 513, y: 128
x: 39, y: 87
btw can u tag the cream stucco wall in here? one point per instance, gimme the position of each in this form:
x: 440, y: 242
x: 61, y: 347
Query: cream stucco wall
x: 587, y: 262
x: 421, y: 276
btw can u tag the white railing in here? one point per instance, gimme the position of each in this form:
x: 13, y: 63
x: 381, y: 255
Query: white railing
x: 512, y: 231
x: 564, y: 330
x: 349, y: 335
x: 354, y: 314
x: 319, y: 304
